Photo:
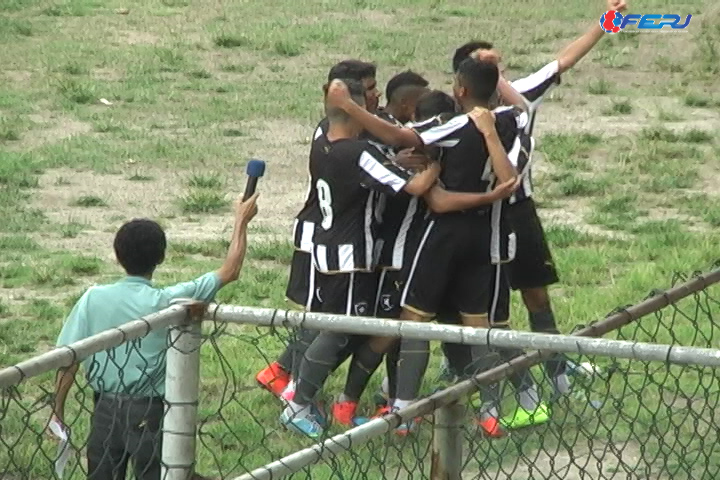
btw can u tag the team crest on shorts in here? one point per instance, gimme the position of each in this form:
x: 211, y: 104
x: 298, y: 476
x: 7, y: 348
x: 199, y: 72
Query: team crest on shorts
x: 361, y: 308
x: 386, y: 302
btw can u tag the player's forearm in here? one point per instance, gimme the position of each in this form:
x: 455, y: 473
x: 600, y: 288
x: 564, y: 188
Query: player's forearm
x: 387, y: 132
x: 441, y: 201
x: 510, y: 96
x: 63, y: 382
x: 580, y: 47
x: 230, y: 270
x: 503, y: 169
x: 421, y: 182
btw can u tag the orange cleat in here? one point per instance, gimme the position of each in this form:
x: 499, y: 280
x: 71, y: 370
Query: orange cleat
x: 491, y: 427
x: 273, y: 379
x: 344, y: 413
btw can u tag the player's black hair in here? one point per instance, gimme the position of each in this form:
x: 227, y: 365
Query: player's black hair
x: 433, y: 103
x: 479, y: 78
x: 140, y: 246
x: 399, y: 82
x: 354, y: 69
x: 464, y: 52
x: 357, y: 93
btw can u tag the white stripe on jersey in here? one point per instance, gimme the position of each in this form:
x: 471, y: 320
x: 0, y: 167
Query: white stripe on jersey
x: 311, y: 288
x: 533, y: 80
x: 348, y: 308
x: 436, y: 134
x: 321, y: 258
x: 306, y: 236
x: 381, y: 173
x: 318, y: 133
x: 368, y: 230
x: 346, y: 257
x: 415, y: 261
x: 399, y: 246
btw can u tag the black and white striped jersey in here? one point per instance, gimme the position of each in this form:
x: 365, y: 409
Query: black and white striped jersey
x: 534, y: 87
x: 349, y: 174
x: 309, y: 215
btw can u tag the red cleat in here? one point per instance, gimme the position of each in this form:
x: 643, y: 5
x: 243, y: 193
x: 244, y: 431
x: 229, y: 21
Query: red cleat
x: 273, y: 379
x: 491, y: 427
x: 382, y: 411
x: 344, y: 412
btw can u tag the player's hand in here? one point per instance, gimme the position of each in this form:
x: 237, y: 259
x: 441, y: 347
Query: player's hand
x: 337, y: 93
x: 49, y: 432
x: 617, y: 5
x: 246, y: 211
x: 410, y: 159
x: 506, y: 189
x: 484, y: 120
x: 485, y: 55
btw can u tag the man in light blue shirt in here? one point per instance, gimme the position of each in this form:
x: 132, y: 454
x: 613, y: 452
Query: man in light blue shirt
x: 129, y: 380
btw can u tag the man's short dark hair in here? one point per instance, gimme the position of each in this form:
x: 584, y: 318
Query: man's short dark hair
x: 464, y: 52
x: 354, y: 69
x: 140, y: 246
x: 433, y: 103
x: 357, y: 93
x: 404, y: 79
x: 479, y: 78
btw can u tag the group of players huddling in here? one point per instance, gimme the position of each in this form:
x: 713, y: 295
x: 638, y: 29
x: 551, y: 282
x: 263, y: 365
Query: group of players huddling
x: 421, y: 210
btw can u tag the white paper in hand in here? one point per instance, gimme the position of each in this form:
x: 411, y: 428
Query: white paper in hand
x: 63, y: 449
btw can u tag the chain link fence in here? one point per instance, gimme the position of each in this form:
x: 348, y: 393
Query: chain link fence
x: 649, y: 415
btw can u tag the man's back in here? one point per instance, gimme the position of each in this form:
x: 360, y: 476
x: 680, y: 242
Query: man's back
x: 137, y: 367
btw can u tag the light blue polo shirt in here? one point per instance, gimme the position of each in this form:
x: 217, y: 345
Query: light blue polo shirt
x: 136, y: 367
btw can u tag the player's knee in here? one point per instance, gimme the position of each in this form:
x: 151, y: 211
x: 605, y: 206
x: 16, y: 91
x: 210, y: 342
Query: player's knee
x: 478, y: 320
x: 414, y: 315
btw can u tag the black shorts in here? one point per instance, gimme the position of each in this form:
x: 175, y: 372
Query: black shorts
x: 533, y: 266
x: 390, y: 288
x: 352, y: 293
x: 498, y: 308
x: 302, y: 283
x: 451, y: 268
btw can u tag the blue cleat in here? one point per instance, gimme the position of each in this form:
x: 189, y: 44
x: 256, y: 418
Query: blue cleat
x: 310, y: 425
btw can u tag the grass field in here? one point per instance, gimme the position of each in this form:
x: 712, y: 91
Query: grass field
x: 627, y: 174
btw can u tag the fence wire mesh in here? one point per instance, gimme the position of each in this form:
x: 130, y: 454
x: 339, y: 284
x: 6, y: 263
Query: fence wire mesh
x: 621, y: 419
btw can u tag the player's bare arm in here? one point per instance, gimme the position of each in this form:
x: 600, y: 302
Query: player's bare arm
x: 338, y: 96
x: 573, y: 53
x: 422, y: 182
x: 63, y: 382
x: 440, y: 200
x: 484, y: 120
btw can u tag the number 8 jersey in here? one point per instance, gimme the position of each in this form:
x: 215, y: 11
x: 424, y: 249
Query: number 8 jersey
x: 349, y: 176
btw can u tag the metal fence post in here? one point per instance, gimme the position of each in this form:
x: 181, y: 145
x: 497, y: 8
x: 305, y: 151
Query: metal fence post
x: 447, y: 456
x: 182, y: 385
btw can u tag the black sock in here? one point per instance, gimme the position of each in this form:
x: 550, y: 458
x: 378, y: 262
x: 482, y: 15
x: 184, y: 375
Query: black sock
x: 320, y: 360
x: 544, y: 322
x: 412, y: 363
x: 391, y: 361
x: 458, y: 357
x: 293, y: 354
x: 362, y: 366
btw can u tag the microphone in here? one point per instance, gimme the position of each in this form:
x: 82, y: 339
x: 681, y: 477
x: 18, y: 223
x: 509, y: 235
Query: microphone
x: 255, y: 169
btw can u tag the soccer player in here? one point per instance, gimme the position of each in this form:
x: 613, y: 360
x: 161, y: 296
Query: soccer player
x: 348, y: 173
x: 532, y: 271
x: 452, y: 264
x: 128, y: 384
x: 302, y: 283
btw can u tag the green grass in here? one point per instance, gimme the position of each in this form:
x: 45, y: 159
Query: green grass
x: 198, y: 87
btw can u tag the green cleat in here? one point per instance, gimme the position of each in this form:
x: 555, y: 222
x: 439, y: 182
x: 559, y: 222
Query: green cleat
x: 526, y: 418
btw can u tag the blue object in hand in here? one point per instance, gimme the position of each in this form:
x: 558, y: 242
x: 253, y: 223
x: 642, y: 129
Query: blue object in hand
x: 255, y: 169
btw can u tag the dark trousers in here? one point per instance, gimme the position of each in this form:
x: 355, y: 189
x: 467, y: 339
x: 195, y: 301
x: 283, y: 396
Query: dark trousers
x: 124, y: 428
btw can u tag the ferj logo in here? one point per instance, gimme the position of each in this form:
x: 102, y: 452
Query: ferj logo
x: 612, y: 21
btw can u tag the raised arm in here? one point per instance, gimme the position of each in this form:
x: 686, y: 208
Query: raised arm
x: 230, y: 269
x: 570, y: 55
x: 390, y: 134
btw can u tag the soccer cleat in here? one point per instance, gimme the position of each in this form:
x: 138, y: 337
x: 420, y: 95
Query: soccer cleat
x: 525, y: 418
x: 406, y: 428
x: 491, y: 427
x: 382, y: 411
x: 309, y: 425
x: 344, y: 413
x: 289, y: 393
x: 273, y: 379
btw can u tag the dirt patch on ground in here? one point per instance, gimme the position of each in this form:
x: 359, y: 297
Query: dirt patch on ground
x: 573, y: 213
x: 132, y: 37
x: 52, y: 128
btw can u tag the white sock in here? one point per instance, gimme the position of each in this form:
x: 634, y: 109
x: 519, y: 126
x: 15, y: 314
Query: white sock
x: 385, y: 387
x: 488, y: 410
x: 529, y: 399
x: 400, y: 404
x: 290, y: 387
x: 562, y: 384
x: 391, y: 402
x: 296, y: 411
